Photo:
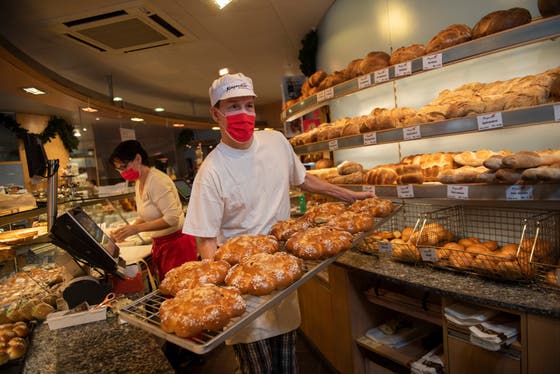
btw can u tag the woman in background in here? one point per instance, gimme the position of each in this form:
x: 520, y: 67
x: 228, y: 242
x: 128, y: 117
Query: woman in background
x: 159, y: 209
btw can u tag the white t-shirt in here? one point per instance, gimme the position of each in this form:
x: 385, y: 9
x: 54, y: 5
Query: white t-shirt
x: 159, y: 199
x: 240, y: 192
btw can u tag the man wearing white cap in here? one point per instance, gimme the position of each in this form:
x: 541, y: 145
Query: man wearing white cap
x: 242, y: 188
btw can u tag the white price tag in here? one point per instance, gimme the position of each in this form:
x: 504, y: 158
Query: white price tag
x: 519, y: 192
x: 429, y: 254
x: 381, y: 75
x: 457, y: 192
x: 364, y: 81
x: 385, y: 247
x: 368, y: 188
x: 370, y: 138
x: 333, y: 145
x: 557, y: 113
x: 490, y: 121
x: 402, y: 69
x: 432, y: 62
x: 410, y: 133
x: 405, y: 192
x: 325, y: 94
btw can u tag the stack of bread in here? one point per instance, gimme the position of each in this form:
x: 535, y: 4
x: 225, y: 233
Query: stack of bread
x: 347, y: 172
x: 448, y: 37
x: 13, y: 341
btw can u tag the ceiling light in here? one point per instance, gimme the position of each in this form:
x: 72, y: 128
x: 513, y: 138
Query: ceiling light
x: 97, y: 118
x: 215, y: 128
x: 178, y: 125
x: 34, y: 91
x: 223, y: 71
x: 137, y: 119
x: 222, y: 3
x: 89, y: 109
x: 77, y: 133
x: 84, y: 129
x: 117, y: 98
x: 159, y: 109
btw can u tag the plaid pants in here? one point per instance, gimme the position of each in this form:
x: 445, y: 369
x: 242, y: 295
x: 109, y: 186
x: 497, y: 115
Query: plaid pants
x: 276, y: 355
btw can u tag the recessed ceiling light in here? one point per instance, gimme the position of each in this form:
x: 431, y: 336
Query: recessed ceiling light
x: 137, y: 119
x: 77, y: 133
x: 117, y: 98
x: 84, y: 129
x: 178, y: 125
x: 222, y: 3
x: 223, y: 71
x: 215, y: 128
x: 89, y: 109
x: 34, y: 91
x: 159, y: 109
x: 97, y: 118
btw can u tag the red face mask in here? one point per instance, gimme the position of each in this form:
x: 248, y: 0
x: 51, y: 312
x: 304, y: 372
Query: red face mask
x: 240, y: 125
x: 130, y: 174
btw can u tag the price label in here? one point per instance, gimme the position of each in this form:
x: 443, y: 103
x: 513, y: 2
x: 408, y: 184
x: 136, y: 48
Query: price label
x: 432, y: 62
x: 457, y: 192
x: 557, y: 113
x: 370, y: 138
x: 429, y: 254
x: 381, y: 75
x: 385, y: 247
x: 364, y: 81
x: 490, y: 121
x: 405, y: 192
x: 325, y: 94
x: 519, y: 192
x: 368, y: 188
x: 402, y: 69
x: 410, y: 133
x: 333, y: 145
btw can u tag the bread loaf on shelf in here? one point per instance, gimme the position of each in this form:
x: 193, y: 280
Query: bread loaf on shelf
x: 448, y: 37
x: 349, y: 167
x: 500, y: 20
x: 407, y: 53
x: 373, y: 61
x: 529, y: 159
x: 548, y: 173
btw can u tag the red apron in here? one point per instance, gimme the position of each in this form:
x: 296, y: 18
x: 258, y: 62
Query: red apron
x: 170, y: 251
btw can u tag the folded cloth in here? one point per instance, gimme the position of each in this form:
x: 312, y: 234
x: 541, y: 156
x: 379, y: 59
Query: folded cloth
x: 467, y: 315
x: 430, y: 363
x: 491, y: 346
x: 493, y: 336
x: 404, y: 335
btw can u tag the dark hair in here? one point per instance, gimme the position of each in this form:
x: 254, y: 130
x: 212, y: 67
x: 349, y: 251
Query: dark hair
x: 126, y: 151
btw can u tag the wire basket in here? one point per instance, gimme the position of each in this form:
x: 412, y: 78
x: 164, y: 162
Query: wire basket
x: 545, y: 257
x: 493, y: 242
x: 391, y: 238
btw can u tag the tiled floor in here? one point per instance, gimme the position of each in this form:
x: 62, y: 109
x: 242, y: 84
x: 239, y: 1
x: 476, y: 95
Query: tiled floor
x: 222, y: 361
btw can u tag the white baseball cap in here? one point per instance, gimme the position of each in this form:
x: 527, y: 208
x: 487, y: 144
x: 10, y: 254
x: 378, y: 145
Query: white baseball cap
x: 230, y: 85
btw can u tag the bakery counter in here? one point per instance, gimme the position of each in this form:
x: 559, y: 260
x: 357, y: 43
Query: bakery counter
x: 99, y: 347
x: 469, y: 288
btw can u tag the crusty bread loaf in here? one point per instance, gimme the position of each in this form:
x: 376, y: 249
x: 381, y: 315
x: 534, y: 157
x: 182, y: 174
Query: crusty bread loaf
x: 349, y: 167
x: 352, y: 70
x: 409, y: 174
x: 549, y: 8
x: 448, y: 37
x: 351, y: 221
x: 322, y: 213
x: 206, y: 307
x: 352, y: 127
x: 353, y: 178
x: 316, y: 78
x: 500, y: 20
x: 319, y: 242
x: 381, y: 175
x: 432, y: 164
x: 527, y: 159
x: 407, y: 53
x: 464, y: 174
x: 373, y: 206
x: 375, y: 60
x: 236, y: 249
x: 547, y: 173
x: 192, y: 274
x: 473, y: 158
x: 508, y: 176
x: 263, y: 273
x: 323, y: 163
x: 282, y: 230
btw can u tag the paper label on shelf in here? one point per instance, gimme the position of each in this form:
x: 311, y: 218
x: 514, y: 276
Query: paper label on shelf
x: 333, y: 145
x: 368, y: 188
x: 381, y: 75
x: 385, y: 247
x: 432, y: 62
x: 490, y: 121
x: 402, y: 69
x: 557, y: 113
x: 519, y: 192
x: 370, y: 138
x: 364, y: 81
x: 457, y: 192
x: 405, y: 192
x: 325, y: 94
x: 410, y: 133
x: 429, y: 254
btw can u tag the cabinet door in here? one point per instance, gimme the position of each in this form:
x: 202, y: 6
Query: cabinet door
x: 544, y: 344
x: 465, y: 358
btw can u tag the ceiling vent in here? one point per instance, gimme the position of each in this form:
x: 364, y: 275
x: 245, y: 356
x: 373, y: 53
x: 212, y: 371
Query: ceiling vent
x: 124, y: 30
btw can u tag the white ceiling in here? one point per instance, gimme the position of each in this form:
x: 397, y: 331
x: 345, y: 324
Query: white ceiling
x: 260, y: 38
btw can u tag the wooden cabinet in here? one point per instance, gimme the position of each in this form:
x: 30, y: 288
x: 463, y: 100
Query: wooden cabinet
x: 465, y: 358
x: 543, y: 340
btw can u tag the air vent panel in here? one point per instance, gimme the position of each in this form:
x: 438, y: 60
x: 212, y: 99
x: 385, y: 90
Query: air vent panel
x: 124, y: 34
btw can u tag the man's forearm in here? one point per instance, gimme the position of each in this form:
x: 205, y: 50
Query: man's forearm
x: 206, y: 247
x: 314, y: 184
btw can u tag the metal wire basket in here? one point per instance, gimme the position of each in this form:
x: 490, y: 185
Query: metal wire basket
x: 545, y: 257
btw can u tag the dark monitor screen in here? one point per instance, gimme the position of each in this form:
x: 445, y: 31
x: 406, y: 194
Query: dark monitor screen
x: 96, y: 233
x: 37, y: 162
x: 183, y: 189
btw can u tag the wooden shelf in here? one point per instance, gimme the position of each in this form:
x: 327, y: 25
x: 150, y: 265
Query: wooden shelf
x: 530, y: 33
x: 403, y: 356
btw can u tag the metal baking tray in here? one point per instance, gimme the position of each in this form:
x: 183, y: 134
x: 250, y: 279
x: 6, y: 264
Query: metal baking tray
x: 143, y: 313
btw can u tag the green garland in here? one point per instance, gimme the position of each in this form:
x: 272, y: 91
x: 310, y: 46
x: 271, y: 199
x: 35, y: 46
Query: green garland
x: 308, y: 53
x: 55, y: 126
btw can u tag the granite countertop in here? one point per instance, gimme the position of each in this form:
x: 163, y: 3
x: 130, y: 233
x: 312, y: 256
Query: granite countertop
x: 98, y: 347
x: 508, y: 295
